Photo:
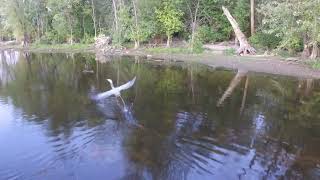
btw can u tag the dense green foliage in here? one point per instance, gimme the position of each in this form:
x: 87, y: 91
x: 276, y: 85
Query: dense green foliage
x: 265, y: 40
x: 290, y: 25
x: 296, y: 22
x: 68, y: 21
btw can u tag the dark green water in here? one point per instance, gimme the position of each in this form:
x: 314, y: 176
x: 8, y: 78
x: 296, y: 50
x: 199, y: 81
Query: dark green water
x: 183, y: 121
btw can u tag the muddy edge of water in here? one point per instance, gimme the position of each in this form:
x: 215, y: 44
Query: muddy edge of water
x: 269, y: 65
x: 259, y: 64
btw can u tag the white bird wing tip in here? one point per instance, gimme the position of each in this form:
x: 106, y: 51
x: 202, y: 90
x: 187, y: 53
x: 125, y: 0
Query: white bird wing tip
x: 128, y: 84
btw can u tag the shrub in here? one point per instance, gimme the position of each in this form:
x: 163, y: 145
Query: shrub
x: 315, y: 64
x: 197, y: 44
x: 294, y: 44
x: 283, y: 53
x: 264, y: 40
x: 207, y: 34
x: 48, y: 38
x: 87, y: 39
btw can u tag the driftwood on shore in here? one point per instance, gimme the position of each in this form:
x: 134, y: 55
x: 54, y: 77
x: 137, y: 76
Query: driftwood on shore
x: 245, y: 47
x: 103, y: 45
x: 102, y: 41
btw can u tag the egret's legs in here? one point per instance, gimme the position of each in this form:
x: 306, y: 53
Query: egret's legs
x: 124, y: 104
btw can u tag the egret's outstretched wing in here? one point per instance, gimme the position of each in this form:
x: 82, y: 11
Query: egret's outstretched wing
x: 104, y: 95
x: 127, y: 85
x: 115, y: 91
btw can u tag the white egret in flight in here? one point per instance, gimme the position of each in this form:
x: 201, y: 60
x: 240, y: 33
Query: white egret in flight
x: 115, y: 91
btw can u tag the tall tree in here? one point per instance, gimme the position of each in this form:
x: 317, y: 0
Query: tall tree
x: 252, y: 11
x: 193, y: 7
x: 136, y: 25
x: 94, y: 18
x: 169, y: 18
x: 115, y: 11
x: 19, y: 14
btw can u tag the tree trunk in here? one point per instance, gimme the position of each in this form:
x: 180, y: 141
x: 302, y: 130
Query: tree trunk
x: 193, y: 32
x: 306, y: 48
x: 25, y: 40
x: 42, y: 26
x: 169, y: 41
x: 305, y: 53
x: 315, y: 51
x: 38, y: 27
x: 137, y: 41
x: 94, y: 19
x: 70, y: 20
x: 99, y: 24
x: 252, y: 5
x: 115, y: 13
x: 236, y: 42
x: 71, y: 36
x: 245, y: 47
x: 116, y: 21
x: 136, y: 44
x: 83, y: 26
x: 194, y: 19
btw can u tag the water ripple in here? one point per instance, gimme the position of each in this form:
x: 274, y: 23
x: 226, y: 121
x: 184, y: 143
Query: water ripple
x: 10, y: 174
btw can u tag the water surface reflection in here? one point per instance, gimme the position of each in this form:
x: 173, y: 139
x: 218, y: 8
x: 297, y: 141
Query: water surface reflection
x: 198, y: 123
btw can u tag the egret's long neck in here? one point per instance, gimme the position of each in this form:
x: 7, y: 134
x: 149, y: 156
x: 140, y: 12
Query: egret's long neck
x: 111, y: 84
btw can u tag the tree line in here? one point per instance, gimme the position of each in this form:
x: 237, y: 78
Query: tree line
x: 292, y: 25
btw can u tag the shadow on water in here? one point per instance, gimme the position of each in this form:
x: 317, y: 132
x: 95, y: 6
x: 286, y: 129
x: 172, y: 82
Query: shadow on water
x: 194, y: 122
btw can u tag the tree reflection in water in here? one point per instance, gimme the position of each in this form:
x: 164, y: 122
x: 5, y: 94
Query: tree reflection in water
x: 264, y: 127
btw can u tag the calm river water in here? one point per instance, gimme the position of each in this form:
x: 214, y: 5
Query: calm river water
x: 179, y: 121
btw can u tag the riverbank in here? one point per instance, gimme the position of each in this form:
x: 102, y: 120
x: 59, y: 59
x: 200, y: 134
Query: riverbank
x: 258, y: 63
x: 56, y: 48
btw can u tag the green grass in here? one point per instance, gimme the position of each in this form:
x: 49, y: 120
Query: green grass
x: 315, y: 64
x: 76, y: 46
x: 172, y: 50
x: 284, y: 53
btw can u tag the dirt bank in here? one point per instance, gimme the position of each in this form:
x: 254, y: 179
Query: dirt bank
x: 270, y: 65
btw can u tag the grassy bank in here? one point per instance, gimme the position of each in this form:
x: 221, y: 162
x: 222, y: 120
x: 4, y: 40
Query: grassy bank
x: 52, y: 47
x: 60, y: 46
x: 315, y: 64
x: 172, y: 50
